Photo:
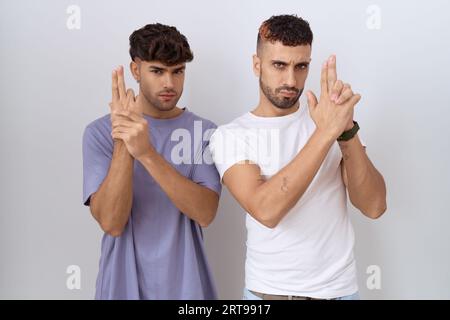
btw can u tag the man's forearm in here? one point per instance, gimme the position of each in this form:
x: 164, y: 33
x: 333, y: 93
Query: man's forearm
x: 111, y: 204
x: 195, y: 201
x: 277, y: 195
x: 366, y: 186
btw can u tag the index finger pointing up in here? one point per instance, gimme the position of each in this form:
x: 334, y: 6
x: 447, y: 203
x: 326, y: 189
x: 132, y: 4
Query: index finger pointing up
x: 115, y: 88
x: 324, y: 79
x: 332, y: 75
x: 121, y: 83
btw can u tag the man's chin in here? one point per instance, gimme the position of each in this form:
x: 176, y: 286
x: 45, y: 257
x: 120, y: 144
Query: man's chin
x: 162, y: 107
x: 285, y: 104
x: 284, y: 107
x: 165, y: 106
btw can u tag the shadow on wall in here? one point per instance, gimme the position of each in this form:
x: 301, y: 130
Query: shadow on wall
x: 368, y: 254
x: 225, y: 246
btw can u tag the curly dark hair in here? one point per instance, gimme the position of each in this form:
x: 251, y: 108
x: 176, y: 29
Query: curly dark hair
x: 158, y: 42
x: 290, y: 30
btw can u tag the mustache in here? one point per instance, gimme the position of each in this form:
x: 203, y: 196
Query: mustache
x: 164, y: 92
x: 286, y: 88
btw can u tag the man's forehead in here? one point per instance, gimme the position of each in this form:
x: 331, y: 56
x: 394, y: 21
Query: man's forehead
x: 278, y: 51
x: 161, y: 65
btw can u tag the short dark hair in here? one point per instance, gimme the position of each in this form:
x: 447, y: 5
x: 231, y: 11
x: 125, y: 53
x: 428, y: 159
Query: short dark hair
x: 290, y: 30
x: 158, y: 42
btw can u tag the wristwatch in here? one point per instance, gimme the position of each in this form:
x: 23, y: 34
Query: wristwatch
x: 347, y: 135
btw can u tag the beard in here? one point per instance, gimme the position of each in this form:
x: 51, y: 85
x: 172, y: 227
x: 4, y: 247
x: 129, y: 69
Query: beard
x: 280, y: 102
x: 158, y: 104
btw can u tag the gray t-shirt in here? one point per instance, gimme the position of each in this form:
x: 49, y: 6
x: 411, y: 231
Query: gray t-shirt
x: 160, y: 254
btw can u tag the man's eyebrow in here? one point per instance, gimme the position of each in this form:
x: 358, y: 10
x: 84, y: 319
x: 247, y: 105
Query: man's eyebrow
x: 285, y: 63
x: 156, y: 68
x: 279, y: 62
x: 180, y: 68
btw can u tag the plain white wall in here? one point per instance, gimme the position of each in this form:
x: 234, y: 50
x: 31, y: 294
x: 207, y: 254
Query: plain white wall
x: 54, y: 80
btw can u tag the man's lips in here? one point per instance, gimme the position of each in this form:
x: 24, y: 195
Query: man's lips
x: 289, y: 94
x: 167, y: 96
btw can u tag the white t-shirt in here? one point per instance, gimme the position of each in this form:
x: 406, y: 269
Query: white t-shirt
x: 310, y: 252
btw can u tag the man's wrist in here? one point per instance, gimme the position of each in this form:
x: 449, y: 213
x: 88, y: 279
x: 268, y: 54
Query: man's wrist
x: 120, y: 148
x: 324, y: 136
x: 149, y: 155
x: 344, y: 144
x: 349, y: 134
x: 349, y: 126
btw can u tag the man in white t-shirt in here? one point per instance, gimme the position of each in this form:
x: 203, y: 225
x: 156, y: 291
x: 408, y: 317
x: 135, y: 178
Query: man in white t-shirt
x: 290, y: 166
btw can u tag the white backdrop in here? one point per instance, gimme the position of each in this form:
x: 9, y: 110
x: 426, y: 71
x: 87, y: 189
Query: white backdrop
x: 55, y: 62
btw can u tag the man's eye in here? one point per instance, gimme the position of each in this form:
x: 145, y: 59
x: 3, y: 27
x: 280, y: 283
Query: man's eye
x: 278, y: 65
x: 157, y: 71
x: 179, y: 72
x: 302, y: 66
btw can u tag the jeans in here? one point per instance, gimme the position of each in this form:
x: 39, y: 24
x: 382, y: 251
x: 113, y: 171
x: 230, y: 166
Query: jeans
x: 250, y: 296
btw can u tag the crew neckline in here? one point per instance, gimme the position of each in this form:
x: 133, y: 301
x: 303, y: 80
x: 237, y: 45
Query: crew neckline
x: 177, y: 118
x: 294, y: 115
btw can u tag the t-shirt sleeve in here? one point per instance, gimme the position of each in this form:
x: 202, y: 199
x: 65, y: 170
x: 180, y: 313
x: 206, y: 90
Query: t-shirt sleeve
x: 205, y: 172
x: 228, y: 148
x: 97, y: 155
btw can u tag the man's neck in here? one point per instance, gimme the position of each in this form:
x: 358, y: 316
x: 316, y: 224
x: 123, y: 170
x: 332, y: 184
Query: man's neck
x: 150, y: 110
x: 158, y: 114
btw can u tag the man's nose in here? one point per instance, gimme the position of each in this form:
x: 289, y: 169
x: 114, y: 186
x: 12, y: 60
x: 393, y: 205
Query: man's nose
x: 168, y: 81
x: 290, y: 80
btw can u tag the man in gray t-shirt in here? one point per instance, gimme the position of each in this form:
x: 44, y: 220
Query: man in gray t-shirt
x: 149, y: 179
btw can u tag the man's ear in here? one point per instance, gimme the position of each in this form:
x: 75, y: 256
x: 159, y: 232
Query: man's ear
x: 135, y: 71
x: 256, y: 65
